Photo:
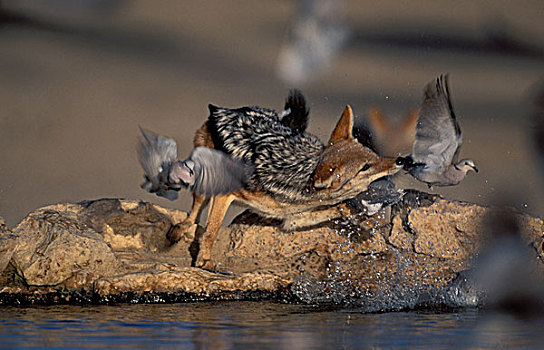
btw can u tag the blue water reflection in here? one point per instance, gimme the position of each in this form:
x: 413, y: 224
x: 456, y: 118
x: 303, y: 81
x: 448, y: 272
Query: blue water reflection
x: 262, y: 325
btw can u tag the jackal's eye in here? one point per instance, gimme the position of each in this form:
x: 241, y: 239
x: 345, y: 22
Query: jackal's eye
x: 365, y: 167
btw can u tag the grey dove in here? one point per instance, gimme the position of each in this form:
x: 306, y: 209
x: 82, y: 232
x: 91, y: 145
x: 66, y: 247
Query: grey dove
x: 206, y: 171
x: 435, y: 152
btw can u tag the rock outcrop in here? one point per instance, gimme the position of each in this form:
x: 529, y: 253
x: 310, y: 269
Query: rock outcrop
x: 113, y: 250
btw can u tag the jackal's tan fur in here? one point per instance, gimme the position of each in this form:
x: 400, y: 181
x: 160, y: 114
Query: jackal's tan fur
x: 344, y: 170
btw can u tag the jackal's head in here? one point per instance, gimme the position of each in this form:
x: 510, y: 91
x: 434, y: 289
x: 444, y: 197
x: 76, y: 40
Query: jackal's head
x: 346, y: 165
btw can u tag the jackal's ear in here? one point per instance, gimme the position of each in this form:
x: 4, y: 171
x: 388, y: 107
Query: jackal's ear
x: 344, y: 127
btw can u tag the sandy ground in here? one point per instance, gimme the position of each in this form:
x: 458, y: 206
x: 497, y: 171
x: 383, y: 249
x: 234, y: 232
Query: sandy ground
x: 76, y: 85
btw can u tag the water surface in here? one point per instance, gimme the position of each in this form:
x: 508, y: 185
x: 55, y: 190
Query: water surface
x: 262, y: 325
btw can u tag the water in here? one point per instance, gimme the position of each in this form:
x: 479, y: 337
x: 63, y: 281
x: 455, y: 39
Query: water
x: 258, y: 325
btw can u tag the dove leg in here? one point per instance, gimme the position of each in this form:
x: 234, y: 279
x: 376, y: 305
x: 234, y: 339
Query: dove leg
x: 187, y: 228
x: 218, y: 209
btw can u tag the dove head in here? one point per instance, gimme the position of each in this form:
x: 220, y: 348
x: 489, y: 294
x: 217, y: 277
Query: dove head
x: 465, y: 165
x: 182, y: 173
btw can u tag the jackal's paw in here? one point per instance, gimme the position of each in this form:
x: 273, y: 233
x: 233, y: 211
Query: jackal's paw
x: 183, y: 230
x: 211, y: 266
x: 205, y: 264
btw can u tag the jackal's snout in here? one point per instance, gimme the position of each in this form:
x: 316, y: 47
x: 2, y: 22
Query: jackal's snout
x: 390, y: 165
x: 379, y: 168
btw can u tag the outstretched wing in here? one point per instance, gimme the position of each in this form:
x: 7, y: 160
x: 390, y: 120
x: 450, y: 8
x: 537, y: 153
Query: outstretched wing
x: 156, y: 154
x: 438, y: 136
x: 295, y: 113
x: 218, y: 173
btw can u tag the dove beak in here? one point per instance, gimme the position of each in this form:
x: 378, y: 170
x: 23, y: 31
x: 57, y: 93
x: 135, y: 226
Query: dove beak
x: 474, y: 168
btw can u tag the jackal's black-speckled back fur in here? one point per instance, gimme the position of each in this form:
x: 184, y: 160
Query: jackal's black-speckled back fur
x: 284, y: 159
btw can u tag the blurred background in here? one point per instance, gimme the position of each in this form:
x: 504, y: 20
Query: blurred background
x: 78, y: 77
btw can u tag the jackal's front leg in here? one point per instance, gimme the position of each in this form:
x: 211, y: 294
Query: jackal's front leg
x: 187, y: 228
x: 312, y: 218
x: 218, y: 209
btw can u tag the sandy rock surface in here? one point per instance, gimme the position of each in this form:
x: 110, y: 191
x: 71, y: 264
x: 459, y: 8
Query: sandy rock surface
x: 115, y: 250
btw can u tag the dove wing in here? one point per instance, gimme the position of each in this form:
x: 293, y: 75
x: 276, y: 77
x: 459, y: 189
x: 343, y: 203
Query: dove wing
x: 156, y: 154
x: 155, y: 151
x: 438, y: 135
x: 218, y: 173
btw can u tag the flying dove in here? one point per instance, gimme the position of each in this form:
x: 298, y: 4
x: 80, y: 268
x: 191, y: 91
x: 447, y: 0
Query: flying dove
x: 206, y: 171
x: 438, y: 140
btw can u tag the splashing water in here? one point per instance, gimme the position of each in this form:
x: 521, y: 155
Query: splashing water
x: 381, y: 278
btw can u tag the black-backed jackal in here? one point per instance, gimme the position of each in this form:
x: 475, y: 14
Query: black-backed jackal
x: 265, y: 162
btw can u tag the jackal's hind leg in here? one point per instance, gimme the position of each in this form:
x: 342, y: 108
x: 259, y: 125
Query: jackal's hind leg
x: 218, y: 209
x: 187, y: 228
x: 312, y: 218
